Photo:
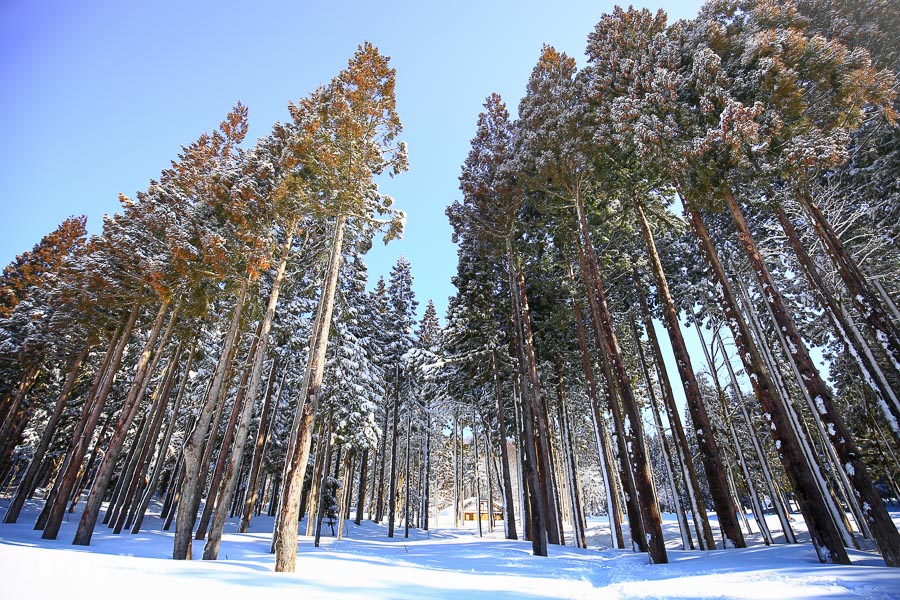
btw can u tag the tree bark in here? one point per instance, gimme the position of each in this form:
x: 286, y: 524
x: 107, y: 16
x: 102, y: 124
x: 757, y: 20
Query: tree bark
x: 193, y: 447
x: 826, y: 539
x: 164, y: 445
x: 262, y: 441
x: 285, y: 537
x: 233, y: 470
x: 683, y: 453
x: 148, y: 442
x: 363, y: 479
x: 706, y: 440
x: 537, y: 507
x: 868, y: 301
x: 604, y: 449
x: 509, y: 514
x: 146, y: 365
x: 26, y: 486
x: 875, y: 513
x: 91, y: 413
x: 223, y: 458
x: 640, y: 468
x: 869, y: 369
x: 687, y: 543
x: 395, y: 437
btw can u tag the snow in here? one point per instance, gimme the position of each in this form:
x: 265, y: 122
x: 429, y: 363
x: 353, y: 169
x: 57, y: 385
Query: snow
x: 444, y: 563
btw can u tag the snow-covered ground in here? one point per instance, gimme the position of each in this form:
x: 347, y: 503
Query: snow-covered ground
x: 445, y: 563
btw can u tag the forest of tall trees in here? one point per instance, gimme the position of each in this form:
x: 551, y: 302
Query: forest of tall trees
x: 719, y: 194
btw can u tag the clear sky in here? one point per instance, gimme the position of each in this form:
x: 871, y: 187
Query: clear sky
x: 96, y: 97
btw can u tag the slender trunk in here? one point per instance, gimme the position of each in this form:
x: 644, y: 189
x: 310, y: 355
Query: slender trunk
x: 26, y: 486
x: 457, y: 493
x: 689, y: 472
x: 346, y: 494
x: 794, y: 412
x: 475, y: 471
x: 600, y: 430
x: 509, y: 515
x: 148, y: 442
x: 285, y: 537
x: 826, y: 539
x: 363, y: 478
x: 193, y: 447
x: 758, y: 514
x: 146, y: 365
x: 263, y: 436
x: 640, y: 467
x: 686, y: 541
x: 233, y: 470
x: 706, y: 440
x: 224, y: 456
x: 382, y: 460
x: 51, y: 520
x: 536, y: 503
x: 326, y: 467
x: 406, y: 502
x: 164, y: 445
x: 568, y: 439
x: 867, y: 300
x: 623, y: 441
x: 426, y: 469
x: 395, y: 438
x: 127, y: 470
x: 869, y: 369
x: 880, y: 522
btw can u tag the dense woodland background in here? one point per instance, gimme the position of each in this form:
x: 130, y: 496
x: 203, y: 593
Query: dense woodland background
x: 215, y: 351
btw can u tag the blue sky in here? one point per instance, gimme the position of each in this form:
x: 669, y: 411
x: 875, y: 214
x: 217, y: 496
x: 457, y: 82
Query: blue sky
x: 97, y: 97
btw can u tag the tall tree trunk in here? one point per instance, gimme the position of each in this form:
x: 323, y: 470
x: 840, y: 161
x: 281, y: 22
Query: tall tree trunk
x: 883, y: 528
x: 706, y: 440
x: 568, y: 443
x: 263, y: 436
x: 774, y: 496
x: 326, y: 468
x: 164, y: 445
x: 407, y: 502
x: 539, y: 414
x: 826, y: 539
x: 475, y: 472
x: 604, y: 449
x: 536, y: 500
x: 382, y: 460
x: 233, y: 470
x: 51, y: 520
x: 145, y: 366
x: 758, y: 514
x: 26, y: 486
x: 623, y: 441
x: 683, y: 453
x: 223, y: 458
x: 148, y: 442
x: 363, y: 478
x: 867, y: 300
x: 193, y: 447
x: 640, y: 468
x: 395, y: 437
x: 285, y: 537
x: 687, y: 543
x: 869, y: 369
x: 509, y: 514
x: 426, y: 468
